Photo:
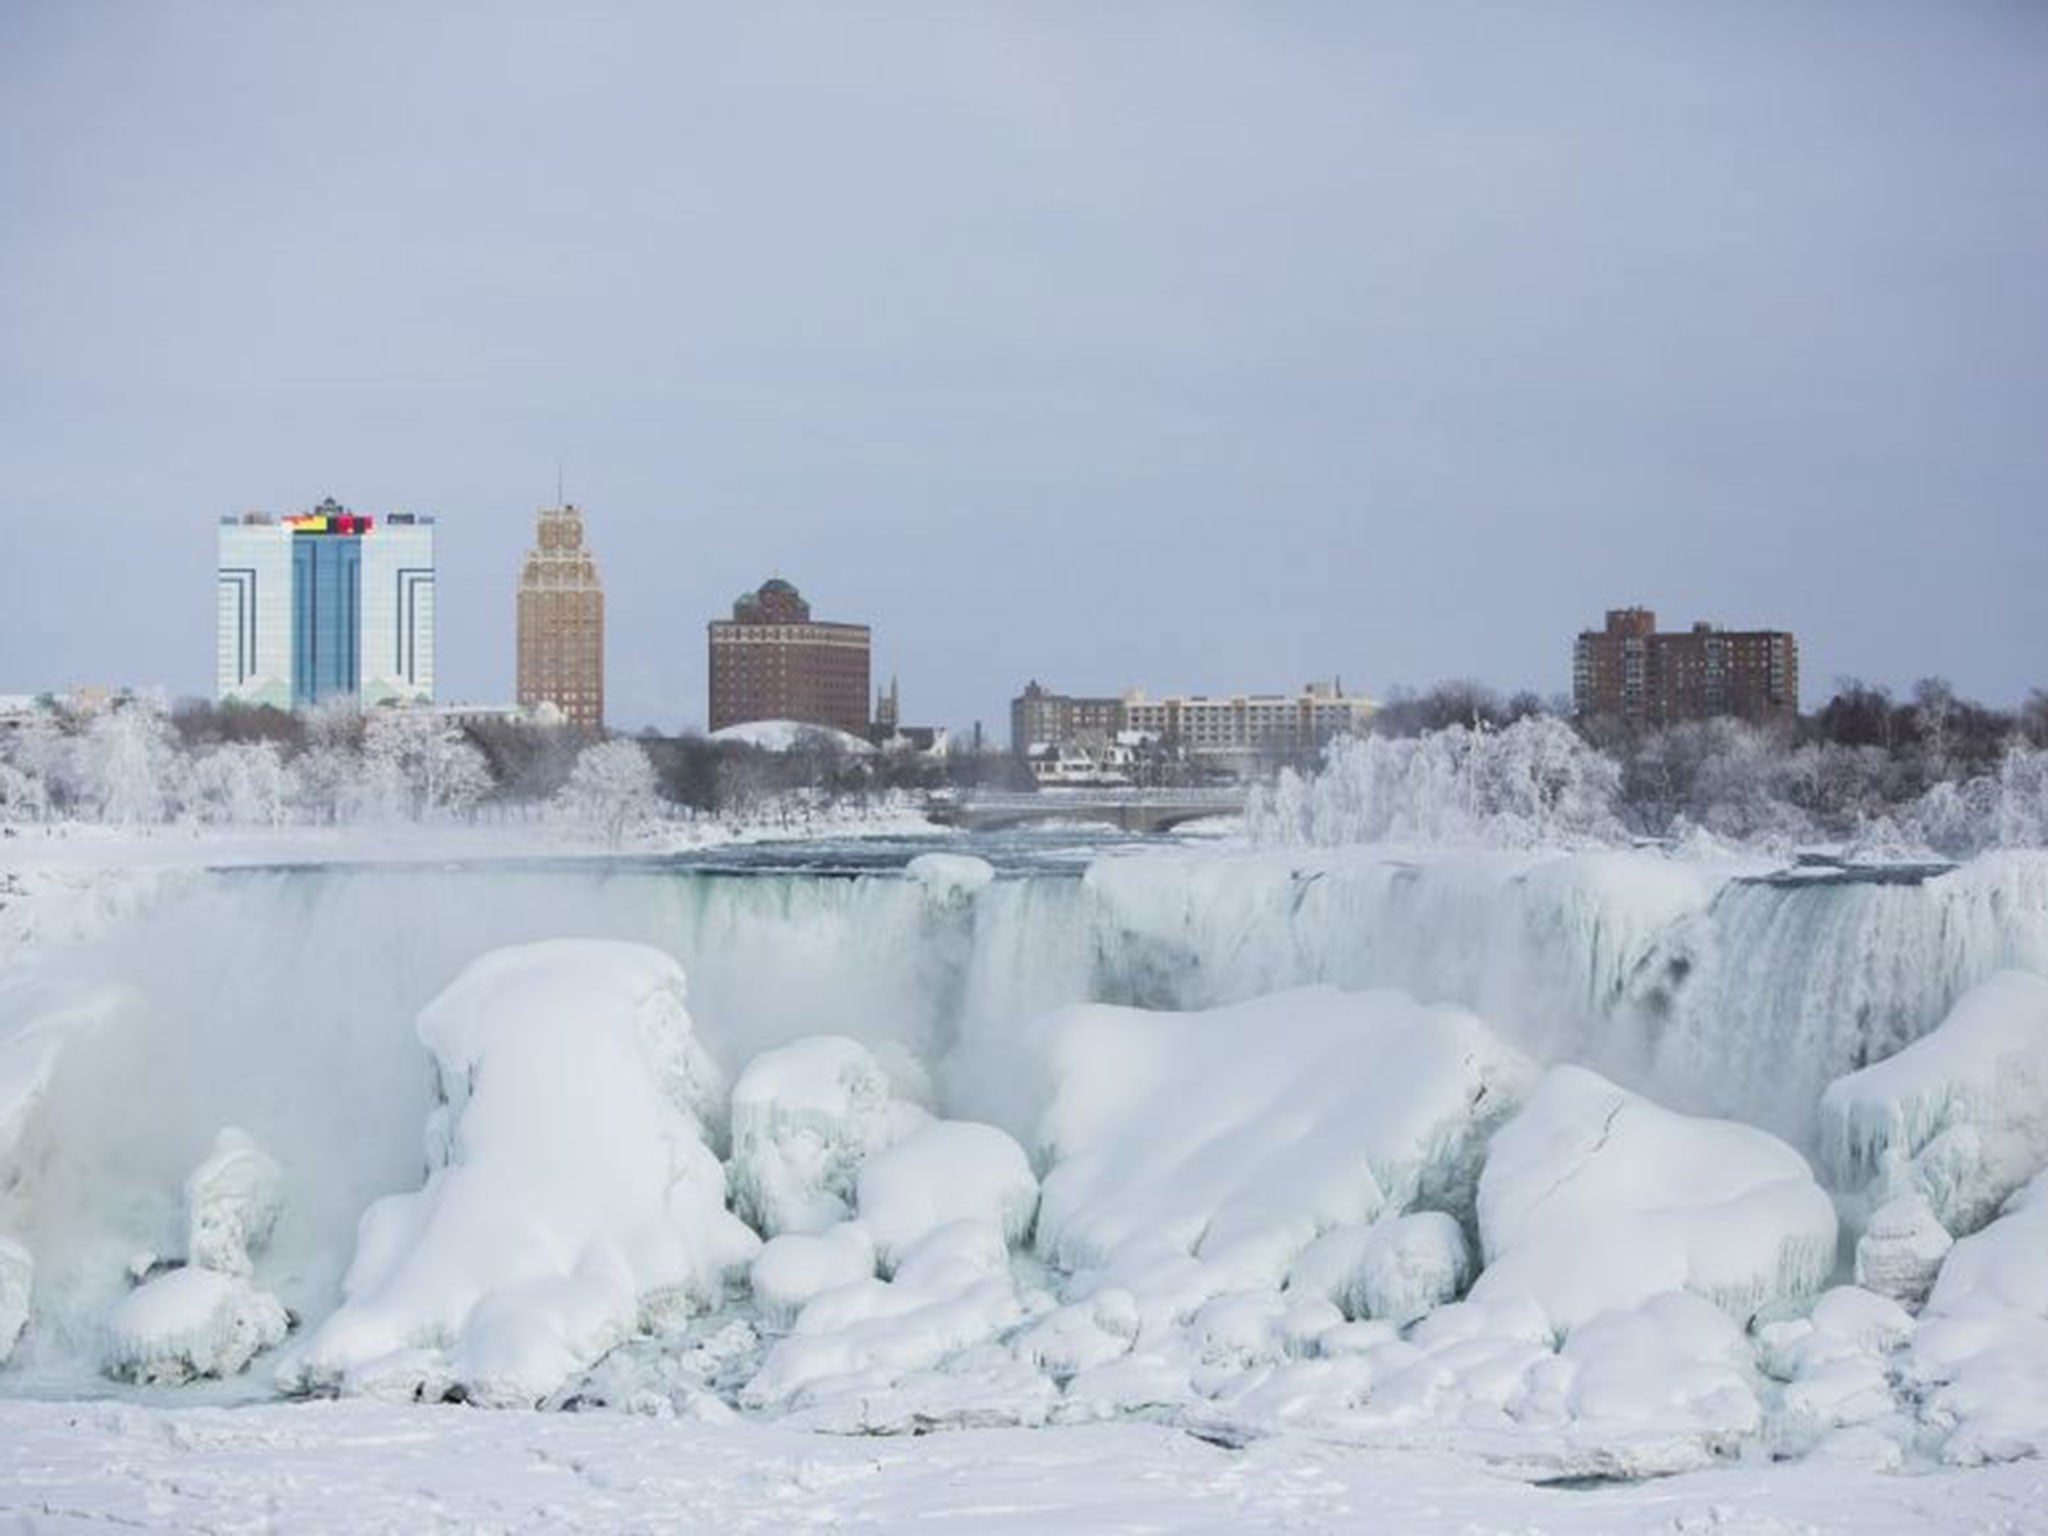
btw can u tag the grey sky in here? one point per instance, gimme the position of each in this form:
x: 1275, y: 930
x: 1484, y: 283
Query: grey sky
x: 1197, y: 346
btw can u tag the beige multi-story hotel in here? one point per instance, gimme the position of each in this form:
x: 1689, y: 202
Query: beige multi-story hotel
x: 1229, y: 731
x: 561, y: 622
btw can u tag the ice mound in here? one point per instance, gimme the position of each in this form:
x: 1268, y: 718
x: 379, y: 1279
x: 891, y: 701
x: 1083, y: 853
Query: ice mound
x: 950, y: 1291
x: 17, y: 1278
x: 1594, y: 1199
x: 231, y: 1203
x: 945, y: 1172
x: 1960, y: 1116
x: 950, y: 876
x: 1197, y: 1153
x: 570, y: 1199
x: 793, y: 1268
x: 804, y: 1119
x: 188, y: 1323
x: 1980, y: 1355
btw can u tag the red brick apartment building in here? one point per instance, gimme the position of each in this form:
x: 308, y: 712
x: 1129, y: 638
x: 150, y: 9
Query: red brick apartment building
x: 1628, y: 671
x: 772, y: 661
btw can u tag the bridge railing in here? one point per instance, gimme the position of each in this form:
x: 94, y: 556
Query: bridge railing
x: 1016, y: 800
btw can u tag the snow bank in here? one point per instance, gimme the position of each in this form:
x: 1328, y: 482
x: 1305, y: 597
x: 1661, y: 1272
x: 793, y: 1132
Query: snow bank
x: 948, y: 1171
x: 1960, y: 1116
x: 231, y: 1203
x: 1594, y: 1198
x: 804, y: 1119
x: 190, y: 1323
x: 1196, y: 1153
x: 571, y: 1198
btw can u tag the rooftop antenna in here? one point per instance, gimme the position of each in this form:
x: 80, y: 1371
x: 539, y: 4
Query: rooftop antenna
x: 558, y: 484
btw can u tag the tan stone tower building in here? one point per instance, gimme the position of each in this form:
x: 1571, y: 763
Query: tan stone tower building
x: 561, y: 622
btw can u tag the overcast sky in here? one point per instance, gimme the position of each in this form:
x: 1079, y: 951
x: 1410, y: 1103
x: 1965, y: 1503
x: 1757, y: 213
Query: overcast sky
x: 1209, y: 347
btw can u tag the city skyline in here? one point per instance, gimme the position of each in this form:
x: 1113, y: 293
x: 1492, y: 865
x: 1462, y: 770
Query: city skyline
x: 1256, y: 345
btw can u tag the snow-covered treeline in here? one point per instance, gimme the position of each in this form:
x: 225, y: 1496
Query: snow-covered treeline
x: 131, y: 763
x: 1538, y: 782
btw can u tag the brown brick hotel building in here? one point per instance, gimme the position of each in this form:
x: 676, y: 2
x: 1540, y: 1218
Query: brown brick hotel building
x: 772, y: 661
x: 1628, y: 671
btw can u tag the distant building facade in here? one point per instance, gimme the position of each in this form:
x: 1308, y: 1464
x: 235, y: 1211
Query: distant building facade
x: 1222, y: 732
x: 1042, y: 718
x: 772, y: 661
x: 1629, y: 671
x: 328, y: 604
x: 561, y: 622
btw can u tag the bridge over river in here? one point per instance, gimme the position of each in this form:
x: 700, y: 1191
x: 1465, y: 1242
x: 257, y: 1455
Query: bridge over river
x: 1133, y: 810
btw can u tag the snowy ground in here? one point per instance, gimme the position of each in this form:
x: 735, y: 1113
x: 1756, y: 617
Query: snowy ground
x: 355, y: 1466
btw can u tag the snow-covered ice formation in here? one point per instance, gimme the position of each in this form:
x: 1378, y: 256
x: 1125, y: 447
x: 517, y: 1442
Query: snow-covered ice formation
x: 795, y: 1267
x: 945, y: 1172
x: 231, y: 1202
x: 188, y: 1323
x: 1196, y: 1153
x: 1980, y: 1354
x: 1901, y: 1249
x: 805, y: 1117
x: 1960, y: 1116
x: 950, y: 1291
x: 1595, y: 1199
x: 1397, y: 1270
x: 572, y: 1198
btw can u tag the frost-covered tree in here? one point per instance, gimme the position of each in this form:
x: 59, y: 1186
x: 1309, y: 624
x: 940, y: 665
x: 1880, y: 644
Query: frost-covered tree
x: 1535, y: 783
x: 128, y: 768
x: 613, y: 787
x: 22, y: 796
x: 240, y: 783
x: 418, y: 763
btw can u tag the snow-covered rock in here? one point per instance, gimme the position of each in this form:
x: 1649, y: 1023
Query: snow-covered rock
x: 944, y: 1172
x: 1594, y: 1198
x: 571, y: 1198
x: 17, y: 1279
x: 792, y: 1269
x: 231, y: 1203
x: 190, y: 1323
x: 1960, y: 1116
x: 1197, y: 1153
x: 1901, y: 1249
x: 805, y: 1116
